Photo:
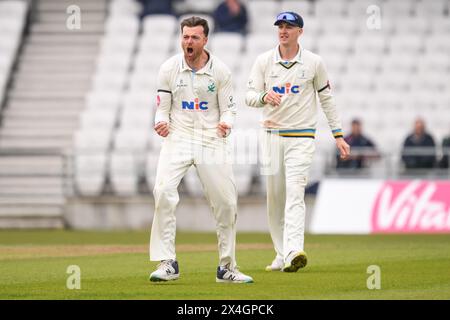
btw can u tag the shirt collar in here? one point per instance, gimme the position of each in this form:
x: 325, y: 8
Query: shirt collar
x: 207, y: 69
x: 297, y: 58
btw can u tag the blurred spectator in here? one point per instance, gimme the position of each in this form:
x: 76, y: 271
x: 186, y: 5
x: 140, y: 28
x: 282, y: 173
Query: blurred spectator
x: 231, y: 16
x: 444, y: 164
x: 419, y: 149
x: 156, y: 7
x: 361, y: 146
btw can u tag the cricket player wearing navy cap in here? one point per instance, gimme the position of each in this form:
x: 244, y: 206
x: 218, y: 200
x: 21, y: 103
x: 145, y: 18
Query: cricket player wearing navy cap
x: 286, y: 82
x: 195, y: 114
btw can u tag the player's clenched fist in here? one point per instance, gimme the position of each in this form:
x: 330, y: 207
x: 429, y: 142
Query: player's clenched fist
x: 162, y: 128
x: 273, y: 98
x: 223, y: 129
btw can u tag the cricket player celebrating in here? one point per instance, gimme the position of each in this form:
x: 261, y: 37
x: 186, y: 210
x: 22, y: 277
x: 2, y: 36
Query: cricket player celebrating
x: 195, y: 113
x: 286, y: 81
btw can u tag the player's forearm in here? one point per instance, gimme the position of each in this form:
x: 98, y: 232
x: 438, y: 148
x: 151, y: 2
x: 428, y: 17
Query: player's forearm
x: 163, y: 106
x: 330, y: 110
x: 228, y: 117
x: 162, y: 116
x: 255, y: 99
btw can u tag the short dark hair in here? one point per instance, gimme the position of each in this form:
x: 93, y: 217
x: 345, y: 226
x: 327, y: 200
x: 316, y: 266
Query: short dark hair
x: 195, y: 21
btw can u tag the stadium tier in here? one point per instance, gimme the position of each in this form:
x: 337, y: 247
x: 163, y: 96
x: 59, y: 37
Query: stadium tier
x: 77, y: 101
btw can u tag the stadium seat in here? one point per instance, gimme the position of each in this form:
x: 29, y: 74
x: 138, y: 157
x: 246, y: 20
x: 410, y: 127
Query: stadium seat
x: 360, y: 10
x: 136, y: 118
x: 110, y: 81
x: 415, y: 26
x: 139, y: 100
x: 335, y: 66
x: 103, y: 99
x: 392, y: 81
x: 201, y: 5
x: 393, y: 63
x: 412, y: 44
x: 258, y: 43
x: 226, y: 41
x: 128, y: 25
x: 149, y: 62
x: 153, y: 44
x: 11, y: 25
x: 9, y: 43
x: 341, y: 25
x: 88, y: 140
x: 373, y: 43
x: 437, y: 43
x: 90, y: 173
x: 155, y: 141
x: 12, y: 21
x: 317, y: 169
x: 430, y: 82
x: 324, y: 9
x: 437, y: 62
x: 124, y: 173
x: 5, y: 63
x: 398, y: 9
x: 244, y: 140
x: 262, y: 14
x: 192, y: 183
x: 104, y: 118
x: 13, y: 9
x: 431, y: 9
x: 124, y: 8
x: 334, y: 44
x: 160, y: 24
x: 114, y: 62
x: 132, y: 139
x: 312, y: 27
x: 308, y: 42
x: 302, y: 7
x: 357, y: 82
x: 117, y: 44
x: 365, y: 63
x: 440, y: 25
x: 143, y: 82
x: 243, y: 175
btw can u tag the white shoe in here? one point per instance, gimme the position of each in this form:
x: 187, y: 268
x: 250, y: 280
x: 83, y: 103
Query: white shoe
x: 224, y: 274
x: 277, y: 265
x: 295, y: 261
x: 167, y: 270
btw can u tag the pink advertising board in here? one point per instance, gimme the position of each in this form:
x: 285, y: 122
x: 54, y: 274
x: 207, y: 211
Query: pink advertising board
x: 411, y: 206
x: 355, y: 206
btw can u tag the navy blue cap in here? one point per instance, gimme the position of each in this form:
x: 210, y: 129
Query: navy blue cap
x: 290, y: 17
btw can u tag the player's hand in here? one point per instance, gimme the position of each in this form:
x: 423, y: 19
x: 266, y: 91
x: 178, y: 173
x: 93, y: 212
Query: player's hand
x: 343, y: 147
x: 273, y: 98
x: 162, y: 128
x: 223, y: 129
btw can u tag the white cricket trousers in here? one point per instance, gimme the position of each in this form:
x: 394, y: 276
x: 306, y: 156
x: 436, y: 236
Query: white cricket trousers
x: 289, y: 160
x: 217, y: 179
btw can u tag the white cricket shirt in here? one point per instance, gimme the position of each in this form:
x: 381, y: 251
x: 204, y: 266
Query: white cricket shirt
x: 301, y: 82
x: 195, y: 100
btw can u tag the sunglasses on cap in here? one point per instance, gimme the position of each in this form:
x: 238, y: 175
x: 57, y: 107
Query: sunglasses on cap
x: 291, y: 18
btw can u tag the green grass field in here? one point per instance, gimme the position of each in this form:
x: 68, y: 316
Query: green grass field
x: 114, y: 265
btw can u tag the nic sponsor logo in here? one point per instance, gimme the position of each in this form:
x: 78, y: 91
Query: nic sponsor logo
x: 287, y: 89
x: 412, y: 207
x: 195, y: 105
